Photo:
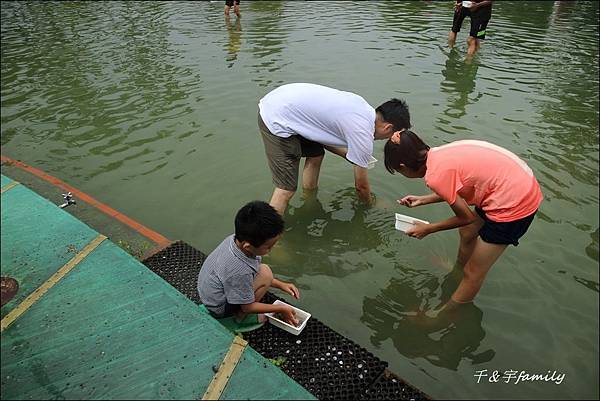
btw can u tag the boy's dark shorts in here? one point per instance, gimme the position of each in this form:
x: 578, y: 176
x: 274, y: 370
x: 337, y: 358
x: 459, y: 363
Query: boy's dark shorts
x: 230, y: 2
x: 507, y: 233
x: 284, y: 154
x: 479, y: 20
x: 230, y: 310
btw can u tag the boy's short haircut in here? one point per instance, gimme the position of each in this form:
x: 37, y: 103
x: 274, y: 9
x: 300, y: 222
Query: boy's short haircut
x: 257, y: 222
x: 395, y: 112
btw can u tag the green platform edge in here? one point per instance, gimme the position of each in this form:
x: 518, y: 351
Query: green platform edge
x: 111, y: 328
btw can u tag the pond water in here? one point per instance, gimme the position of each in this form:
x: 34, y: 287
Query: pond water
x: 151, y: 108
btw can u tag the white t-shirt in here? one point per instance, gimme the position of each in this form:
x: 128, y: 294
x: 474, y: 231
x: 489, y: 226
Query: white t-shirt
x: 324, y: 115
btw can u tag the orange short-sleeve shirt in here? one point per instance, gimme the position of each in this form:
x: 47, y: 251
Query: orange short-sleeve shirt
x: 485, y: 175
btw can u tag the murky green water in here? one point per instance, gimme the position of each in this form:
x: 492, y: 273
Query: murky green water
x: 151, y: 108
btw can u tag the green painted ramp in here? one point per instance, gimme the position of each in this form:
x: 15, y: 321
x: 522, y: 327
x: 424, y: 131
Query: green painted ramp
x: 5, y: 181
x: 110, y: 329
x: 38, y: 238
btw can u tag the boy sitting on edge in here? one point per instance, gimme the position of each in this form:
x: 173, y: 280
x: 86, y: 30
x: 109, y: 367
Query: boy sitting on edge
x: 233, y: 280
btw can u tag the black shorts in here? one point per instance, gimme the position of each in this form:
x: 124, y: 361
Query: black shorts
x: 507, y: 233
x: 230, y: 2
x: 311, y: 148
x: 284, y: 154
x: 479, y: 20
x: 230, y: 310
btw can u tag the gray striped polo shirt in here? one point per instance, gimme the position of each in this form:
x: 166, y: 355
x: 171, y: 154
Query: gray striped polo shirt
x: 227, y: 277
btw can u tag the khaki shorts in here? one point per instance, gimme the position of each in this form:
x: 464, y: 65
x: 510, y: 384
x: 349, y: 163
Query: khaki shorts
x: 284, y: 154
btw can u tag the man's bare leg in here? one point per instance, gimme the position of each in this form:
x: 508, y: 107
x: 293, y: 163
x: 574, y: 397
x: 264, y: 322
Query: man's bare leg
x: 473, y: 44
x: 310, y: 174
x: 451, y: 38
x: 280, y: 199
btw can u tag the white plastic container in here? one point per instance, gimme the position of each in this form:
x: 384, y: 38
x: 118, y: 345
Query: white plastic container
x: 404, y: 223
x: 372, y: 162
x: 301, y: 315
x: 467, y: 4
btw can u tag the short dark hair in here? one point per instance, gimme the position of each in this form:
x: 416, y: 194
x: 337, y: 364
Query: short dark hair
x: 395, y: 112
x: 411, y: 151
x: 257, y: 222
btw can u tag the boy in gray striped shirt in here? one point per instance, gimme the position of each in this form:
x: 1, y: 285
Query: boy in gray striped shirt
x: 232, y: 280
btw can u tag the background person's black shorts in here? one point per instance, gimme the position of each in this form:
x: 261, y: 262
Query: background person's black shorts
x: 507, y: 233
x: 230, y: 2
x: 479, y: 20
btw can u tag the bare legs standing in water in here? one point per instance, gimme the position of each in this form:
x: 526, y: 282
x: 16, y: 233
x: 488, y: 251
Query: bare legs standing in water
x: 480, y: 12
x: 236, y: 7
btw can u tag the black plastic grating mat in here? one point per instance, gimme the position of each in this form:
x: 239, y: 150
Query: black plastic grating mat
x: 179, y: 265
x: 391, y: 387
x: 324, y: 362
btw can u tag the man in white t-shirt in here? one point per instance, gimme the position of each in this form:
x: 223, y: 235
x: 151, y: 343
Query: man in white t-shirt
x: 301, y: 120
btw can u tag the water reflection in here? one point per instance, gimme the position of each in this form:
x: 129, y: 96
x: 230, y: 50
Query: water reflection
x: 94, y: 98
x: 268, y: 41
x: 458, y: 84
x: 522, y: 14
x: 567, y: 130
x: 410, y: 17
x: 146, y: 71
x: 567, y: 95
x: 592, y: 249
x: 560, y: 10
x: 397, y: 313
x: 234, y: 44
x: 329, y: 240
x: 592, y: 285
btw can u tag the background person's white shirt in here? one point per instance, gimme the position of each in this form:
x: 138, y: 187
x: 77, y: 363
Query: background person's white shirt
x: 324, y: 115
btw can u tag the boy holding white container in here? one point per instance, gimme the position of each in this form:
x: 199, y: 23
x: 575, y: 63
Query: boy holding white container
x: 232, y: 280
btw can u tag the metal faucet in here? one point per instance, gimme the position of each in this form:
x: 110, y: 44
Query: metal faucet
x: 68, y: 200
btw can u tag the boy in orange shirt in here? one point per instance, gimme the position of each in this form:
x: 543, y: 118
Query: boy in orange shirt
x: 500, y: 185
